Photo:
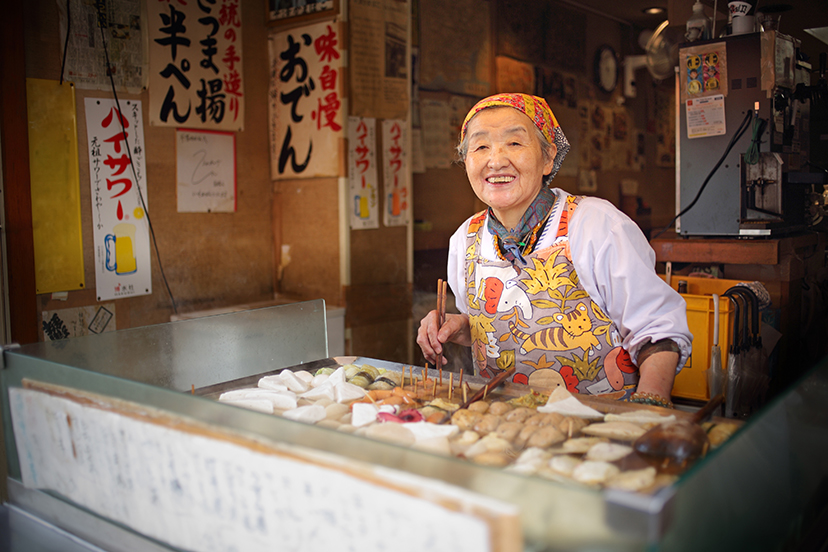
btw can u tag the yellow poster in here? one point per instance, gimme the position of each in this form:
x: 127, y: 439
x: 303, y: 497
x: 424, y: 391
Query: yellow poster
x: 53, y: 165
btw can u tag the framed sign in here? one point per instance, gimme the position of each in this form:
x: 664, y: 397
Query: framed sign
x: 292, y: 11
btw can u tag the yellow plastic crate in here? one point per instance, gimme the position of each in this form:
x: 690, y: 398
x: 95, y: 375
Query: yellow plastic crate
x: 691, y: 382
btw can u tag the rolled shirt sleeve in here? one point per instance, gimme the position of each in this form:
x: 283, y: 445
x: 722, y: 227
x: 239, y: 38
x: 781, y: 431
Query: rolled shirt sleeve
x: 616, y: 266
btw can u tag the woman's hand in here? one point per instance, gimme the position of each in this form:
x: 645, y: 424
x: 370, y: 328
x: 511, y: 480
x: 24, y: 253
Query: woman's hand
x: 430, y: 336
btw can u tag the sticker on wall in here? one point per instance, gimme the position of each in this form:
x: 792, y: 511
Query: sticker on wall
x: 703, y: 71
x: 115, y: 141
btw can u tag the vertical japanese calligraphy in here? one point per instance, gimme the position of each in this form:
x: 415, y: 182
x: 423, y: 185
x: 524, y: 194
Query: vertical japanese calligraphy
x: 305, y: 105
x: 395, y: 173
x: 362, y: 173
x: 119, y: 223
x: 195, y: 72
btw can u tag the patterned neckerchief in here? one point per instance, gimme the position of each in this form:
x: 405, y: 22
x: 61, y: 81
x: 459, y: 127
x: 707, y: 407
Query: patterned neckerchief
x: 513, y: 244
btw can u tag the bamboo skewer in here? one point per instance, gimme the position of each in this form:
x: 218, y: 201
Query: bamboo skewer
x: 451, y: 384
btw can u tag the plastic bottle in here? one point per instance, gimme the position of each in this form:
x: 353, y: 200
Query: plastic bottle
x: 698, y: 26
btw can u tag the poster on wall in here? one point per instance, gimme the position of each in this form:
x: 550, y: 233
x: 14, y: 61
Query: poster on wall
x: 206, y: 171
x: 703, y: 71
x: 305, y: 107
x: 363, y: 198
x: 378, y: 65
x: 85, y: 57
x: 395, y: 173
x: 195, y: 64
x: 117, y: 168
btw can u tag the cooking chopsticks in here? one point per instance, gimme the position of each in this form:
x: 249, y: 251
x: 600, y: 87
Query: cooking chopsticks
x: 442, y: 286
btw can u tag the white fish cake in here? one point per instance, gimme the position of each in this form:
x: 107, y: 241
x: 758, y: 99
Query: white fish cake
x: 620, y: 431
x: 564, y: 464
x: 581, y: 444
x: 608, y: 452
x: 594, y: 473
x: 633, y: 480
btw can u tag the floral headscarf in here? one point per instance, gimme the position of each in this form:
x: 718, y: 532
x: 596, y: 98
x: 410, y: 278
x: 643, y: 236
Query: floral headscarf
x: 536, y: 109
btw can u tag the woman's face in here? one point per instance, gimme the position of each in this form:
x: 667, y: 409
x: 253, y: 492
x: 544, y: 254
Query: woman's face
x: 504, y: 162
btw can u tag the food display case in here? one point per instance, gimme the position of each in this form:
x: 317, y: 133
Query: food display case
x: 765, y: 488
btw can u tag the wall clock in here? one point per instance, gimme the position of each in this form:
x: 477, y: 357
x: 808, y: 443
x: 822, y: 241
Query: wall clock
x: 606, y: 68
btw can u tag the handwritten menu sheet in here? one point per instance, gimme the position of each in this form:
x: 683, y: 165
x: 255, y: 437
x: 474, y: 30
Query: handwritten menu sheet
x: 198, y: 487
x: 206, y: 171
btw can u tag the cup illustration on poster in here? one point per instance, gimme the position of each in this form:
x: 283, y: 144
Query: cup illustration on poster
x: 120, y: 254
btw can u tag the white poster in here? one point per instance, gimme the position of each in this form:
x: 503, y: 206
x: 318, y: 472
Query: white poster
x: 115, y: 141
x: 395, y: 173
x: 206, y: 170
x: 195, y: 64
x: 362, y: 173
x: 305, y: 107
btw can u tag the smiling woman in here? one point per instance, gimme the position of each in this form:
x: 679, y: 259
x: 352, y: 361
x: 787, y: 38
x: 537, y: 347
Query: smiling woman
x: 559, y: 287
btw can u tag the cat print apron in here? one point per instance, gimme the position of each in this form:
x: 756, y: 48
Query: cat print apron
x: 540, y: 319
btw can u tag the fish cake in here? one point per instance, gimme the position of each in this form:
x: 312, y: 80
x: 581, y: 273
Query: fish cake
x: 545, y: 437
x: 479, y: 406
x: 487, y: 424
x: 525, y: 434
x: 519, y: 414
x: 499, y: 408
x: 466, y: 419
x: 509, y: 430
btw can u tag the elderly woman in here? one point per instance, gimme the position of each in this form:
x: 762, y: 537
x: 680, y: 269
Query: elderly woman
x: 561, y: 287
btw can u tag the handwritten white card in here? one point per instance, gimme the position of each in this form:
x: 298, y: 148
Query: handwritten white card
x: 193, y: 487
x: 206, y: 169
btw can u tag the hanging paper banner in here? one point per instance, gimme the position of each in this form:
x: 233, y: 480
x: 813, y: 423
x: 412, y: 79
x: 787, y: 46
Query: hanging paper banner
x: 362, y: 173
x: 195, y: 64
x: 115, y: 141
x: 305, y: 109
x: 395, y: 173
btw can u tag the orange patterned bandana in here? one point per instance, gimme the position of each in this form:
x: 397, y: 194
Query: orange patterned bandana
x: 533, y: 107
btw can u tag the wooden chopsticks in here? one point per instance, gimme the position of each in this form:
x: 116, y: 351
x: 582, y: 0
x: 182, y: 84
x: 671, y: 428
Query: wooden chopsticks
x: 442, y: 286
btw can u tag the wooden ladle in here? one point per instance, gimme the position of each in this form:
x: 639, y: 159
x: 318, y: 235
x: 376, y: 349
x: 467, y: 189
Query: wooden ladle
x: 674, y: 446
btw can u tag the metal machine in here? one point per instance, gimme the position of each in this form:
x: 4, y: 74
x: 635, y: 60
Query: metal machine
x: 758, y: 111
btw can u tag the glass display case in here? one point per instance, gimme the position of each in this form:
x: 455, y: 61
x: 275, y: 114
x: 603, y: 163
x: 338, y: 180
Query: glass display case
x: 764, y: 489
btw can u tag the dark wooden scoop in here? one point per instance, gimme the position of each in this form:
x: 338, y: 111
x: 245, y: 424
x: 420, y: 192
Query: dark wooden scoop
x: 674, y: 446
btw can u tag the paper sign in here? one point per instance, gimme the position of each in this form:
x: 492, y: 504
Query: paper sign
x: 395, y: 173
x: 305, y: 108
x: 206, y: 168
x: 77, y: 322
x: 199, y: 487
x: 363, y: 183
x: 195, y: 70
x: 705, y: 117
x: 115, y: 142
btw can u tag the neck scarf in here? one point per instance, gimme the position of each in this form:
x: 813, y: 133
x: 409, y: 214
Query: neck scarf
x: 519, y: 241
